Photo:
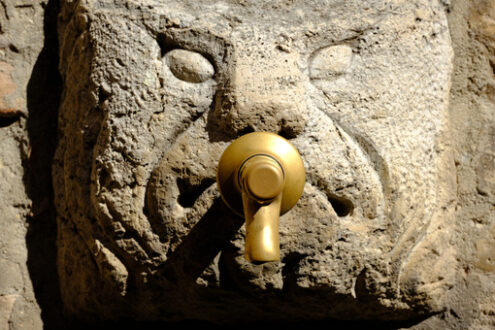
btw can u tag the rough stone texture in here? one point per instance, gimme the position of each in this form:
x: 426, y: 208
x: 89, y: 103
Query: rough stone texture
x: 27, y: 113
x: 142, y: 230
x: 472, y: 113
x: 114, y: 270
x: 18, y: 51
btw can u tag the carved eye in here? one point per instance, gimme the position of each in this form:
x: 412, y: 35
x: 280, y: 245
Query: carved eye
x: 189, y: 66
x: 330, y: 61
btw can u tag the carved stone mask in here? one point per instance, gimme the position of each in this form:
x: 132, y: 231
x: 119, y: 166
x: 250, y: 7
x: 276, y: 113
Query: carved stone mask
x: 154, y: 92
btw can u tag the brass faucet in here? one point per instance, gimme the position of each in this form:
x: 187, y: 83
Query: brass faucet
x: 261, y: 176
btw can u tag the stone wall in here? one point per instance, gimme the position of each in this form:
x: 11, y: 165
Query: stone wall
x: 29, y: 93
x: 30, y: 90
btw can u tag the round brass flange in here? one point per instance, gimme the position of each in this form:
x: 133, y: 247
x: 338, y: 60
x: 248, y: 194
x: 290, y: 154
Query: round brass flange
x: 264, y: 165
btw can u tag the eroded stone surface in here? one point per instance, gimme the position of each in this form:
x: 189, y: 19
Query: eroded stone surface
x: 189, y: 66
x: 27, y: 229
x: 330, y: 61
x: 142, y: 229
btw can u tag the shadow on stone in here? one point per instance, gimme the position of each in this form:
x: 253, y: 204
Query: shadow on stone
x: 43, y: 94
x: 198, y: 249
x: 321, y: 324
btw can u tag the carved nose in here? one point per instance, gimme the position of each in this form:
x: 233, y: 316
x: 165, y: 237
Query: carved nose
x: 262, y: 96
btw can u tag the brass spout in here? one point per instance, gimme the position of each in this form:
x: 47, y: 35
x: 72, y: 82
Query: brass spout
x: 261, y: 179
x: 261, y: 176
x: 262, y: 243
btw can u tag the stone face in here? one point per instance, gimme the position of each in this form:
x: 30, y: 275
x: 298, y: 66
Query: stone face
x: 154, y: 92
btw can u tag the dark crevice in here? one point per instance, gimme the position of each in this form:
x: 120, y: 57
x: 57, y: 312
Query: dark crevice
x: 189, y: 192
x: 166, y: 44
x: 102, y: 95
x: 246, y: 130
x: 4, y: 122
x: 360, y: 286
x: 106, y: 181
x: 264, y: 324
x: 291, y: 261
x: 453, y: 313
x: 342, y: 206
x: 43, y: 96
x: 287, y: 133
x: 93, y: 121
x: 13, y: 48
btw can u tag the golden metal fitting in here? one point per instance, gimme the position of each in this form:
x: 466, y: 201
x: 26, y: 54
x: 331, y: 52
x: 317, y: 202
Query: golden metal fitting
x: 261, y: 176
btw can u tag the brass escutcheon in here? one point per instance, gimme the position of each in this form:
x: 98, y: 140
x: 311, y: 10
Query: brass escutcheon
x: 261, y: 176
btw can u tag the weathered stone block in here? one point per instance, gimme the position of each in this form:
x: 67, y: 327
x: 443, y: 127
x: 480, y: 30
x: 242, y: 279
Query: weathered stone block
x: 155, y: 91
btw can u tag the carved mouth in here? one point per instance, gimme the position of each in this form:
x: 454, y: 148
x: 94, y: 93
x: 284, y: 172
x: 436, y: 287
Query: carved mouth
x: 182, y: 188
x: 195, y: 197
x: 190, y: 193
